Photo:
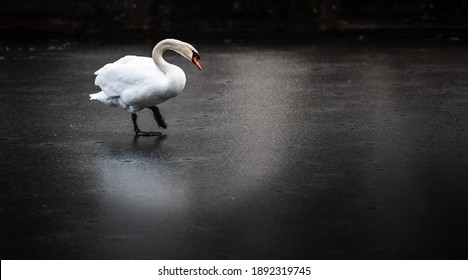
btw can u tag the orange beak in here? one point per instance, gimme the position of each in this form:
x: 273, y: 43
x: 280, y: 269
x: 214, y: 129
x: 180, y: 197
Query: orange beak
x: 196, y: 61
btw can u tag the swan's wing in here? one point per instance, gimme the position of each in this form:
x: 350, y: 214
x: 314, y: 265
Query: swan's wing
x: 132, y: 59
x: 117, y: 79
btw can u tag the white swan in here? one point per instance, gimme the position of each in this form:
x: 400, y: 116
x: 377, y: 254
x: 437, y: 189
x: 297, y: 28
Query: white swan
x: 135, y: 82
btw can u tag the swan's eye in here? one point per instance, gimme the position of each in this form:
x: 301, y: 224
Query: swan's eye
x: 195, y: 55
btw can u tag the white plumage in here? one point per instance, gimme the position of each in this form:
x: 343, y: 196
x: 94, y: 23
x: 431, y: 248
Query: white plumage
x: 135, y: 83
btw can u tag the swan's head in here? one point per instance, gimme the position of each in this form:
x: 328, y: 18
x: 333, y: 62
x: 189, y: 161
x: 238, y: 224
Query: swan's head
x: 184, y: 49
x: 196, y: 59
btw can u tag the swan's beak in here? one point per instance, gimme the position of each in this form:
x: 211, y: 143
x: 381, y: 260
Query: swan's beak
x: 196, y: 61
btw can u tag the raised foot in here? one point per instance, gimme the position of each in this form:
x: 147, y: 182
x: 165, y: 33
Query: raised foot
x: 146, y: 134
x: 158, y: 117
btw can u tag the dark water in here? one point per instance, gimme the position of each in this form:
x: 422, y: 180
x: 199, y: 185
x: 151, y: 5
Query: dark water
x: 330, y: 150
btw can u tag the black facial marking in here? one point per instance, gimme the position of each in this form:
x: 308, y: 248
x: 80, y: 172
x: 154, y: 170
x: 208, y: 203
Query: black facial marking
x: 195, y: 55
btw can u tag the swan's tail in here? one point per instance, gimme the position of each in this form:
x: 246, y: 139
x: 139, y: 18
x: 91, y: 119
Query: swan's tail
x: 98, y: 96
x: 104, y: 98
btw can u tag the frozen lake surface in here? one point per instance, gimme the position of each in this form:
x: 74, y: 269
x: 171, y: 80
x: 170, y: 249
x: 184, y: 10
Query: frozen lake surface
x: 320, y: 149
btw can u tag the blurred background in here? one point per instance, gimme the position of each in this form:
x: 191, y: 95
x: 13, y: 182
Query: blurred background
x: 241, y: 18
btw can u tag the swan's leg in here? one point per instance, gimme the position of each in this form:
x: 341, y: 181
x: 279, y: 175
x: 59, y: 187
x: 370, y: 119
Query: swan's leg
x: 137, y: 130
x: 158, y: 117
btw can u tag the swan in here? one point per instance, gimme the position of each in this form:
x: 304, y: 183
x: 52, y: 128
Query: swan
x: 135, y: 82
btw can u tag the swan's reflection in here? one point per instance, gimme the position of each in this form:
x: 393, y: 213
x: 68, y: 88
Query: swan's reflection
x: 141, y: 198
x: 133, y: 177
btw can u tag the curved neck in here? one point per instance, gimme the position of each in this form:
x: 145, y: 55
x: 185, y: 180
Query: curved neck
x: 176, y: 76
x: 160, y: 48
x: 158, y: 59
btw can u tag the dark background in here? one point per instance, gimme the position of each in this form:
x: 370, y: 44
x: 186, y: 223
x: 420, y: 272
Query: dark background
x: 205, y: 18
x: 339, y: 134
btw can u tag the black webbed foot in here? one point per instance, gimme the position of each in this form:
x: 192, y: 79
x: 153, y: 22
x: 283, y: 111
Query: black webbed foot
x: 147, y: 133
x: 137, y: 130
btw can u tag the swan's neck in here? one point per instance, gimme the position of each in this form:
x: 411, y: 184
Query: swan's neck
x: 158, y: 59
x: 175, y: 75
